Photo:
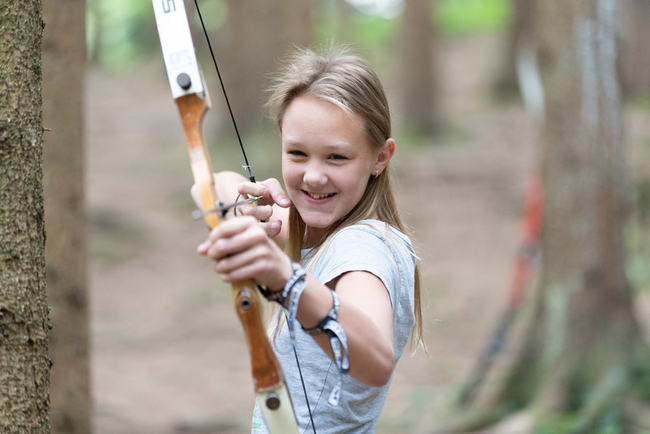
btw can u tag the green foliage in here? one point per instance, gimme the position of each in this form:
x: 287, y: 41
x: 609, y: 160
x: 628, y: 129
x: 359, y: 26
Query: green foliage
x: 121, y: 33
x: 637, y: 238
x: 556, y: 425
x: 637, y: 270
x: 364, y: 26
x: 459, y: 17
x: 214, y: 14
x: 609, y: 423
x: 375, y: 31
x: 117, y: 30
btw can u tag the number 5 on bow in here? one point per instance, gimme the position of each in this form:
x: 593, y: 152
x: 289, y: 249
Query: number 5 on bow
x: 191, y: 96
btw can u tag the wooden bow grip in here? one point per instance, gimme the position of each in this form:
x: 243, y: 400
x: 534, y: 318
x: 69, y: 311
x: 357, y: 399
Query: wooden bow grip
x: 266, y: 368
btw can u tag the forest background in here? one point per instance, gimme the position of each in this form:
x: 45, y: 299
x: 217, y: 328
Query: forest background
x: 167, y: 354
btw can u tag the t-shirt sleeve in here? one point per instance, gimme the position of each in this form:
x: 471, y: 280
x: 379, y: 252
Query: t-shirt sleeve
x: 360, y: 248
x: 386, y: 254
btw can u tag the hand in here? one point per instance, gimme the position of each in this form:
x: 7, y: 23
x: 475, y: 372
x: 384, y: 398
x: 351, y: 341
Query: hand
x: 242, y: 250
x: 271, y: 193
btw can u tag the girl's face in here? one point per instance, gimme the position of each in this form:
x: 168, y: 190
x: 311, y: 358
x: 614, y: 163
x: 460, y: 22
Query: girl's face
x: 327, y: 161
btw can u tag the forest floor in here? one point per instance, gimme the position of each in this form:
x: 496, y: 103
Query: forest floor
x: 168, y: 352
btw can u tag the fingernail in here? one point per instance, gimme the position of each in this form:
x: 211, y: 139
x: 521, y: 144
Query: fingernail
x: 204, y: 246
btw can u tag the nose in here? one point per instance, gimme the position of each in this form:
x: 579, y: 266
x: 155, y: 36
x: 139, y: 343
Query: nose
x: 315, y: 175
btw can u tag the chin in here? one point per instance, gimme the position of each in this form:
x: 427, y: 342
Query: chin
x: 318, y: 224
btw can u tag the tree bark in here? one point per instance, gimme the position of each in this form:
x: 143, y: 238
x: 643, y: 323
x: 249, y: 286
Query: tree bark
x: 24, y: 362
x: 63, y: 81
x: 417, y: 48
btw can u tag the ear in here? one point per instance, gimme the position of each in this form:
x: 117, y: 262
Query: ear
x: 385, y: 154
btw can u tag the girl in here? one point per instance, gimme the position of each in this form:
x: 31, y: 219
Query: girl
x: 353, y: 311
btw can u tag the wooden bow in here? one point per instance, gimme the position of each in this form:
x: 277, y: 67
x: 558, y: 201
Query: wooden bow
x: 191, y: 96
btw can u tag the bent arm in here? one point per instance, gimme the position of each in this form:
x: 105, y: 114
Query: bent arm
x: 365, y: 314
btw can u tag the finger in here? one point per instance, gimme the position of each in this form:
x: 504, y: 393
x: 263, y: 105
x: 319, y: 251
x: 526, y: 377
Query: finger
x: 260, y: 212
x: 229, y: 228
x: 232, y: 239
x: 273, y: 229
x: 249, y: 259
x: 196, y: 196
x: 257, y: 189
x: 203, y: 248
x: 248, y: 271
x: 277, y: 193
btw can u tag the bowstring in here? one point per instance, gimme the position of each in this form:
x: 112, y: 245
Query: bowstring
x: 250, y: 176
x: 225, y: 94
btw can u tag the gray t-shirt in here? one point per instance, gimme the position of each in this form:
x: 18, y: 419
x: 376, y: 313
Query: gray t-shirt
x: 371, y: 246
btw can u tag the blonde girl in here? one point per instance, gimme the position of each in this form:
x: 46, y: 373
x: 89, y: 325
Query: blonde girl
x: 332, y: 249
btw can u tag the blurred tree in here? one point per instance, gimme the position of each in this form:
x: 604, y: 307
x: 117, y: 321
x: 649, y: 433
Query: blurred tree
x: 24, y: 362
x: 256, y: 34
x: 64, y: 52
x: 296, y: 18
x: 94, y: 34
x: 584, y: 366
x: 417, y: 60
x: 521, y: 36
x: 636, y: 52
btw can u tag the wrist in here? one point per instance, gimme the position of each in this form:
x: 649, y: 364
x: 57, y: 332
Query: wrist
x: 292, y: 275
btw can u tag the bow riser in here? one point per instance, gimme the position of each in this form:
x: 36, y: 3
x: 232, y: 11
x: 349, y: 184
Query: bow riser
x: 192, y: 109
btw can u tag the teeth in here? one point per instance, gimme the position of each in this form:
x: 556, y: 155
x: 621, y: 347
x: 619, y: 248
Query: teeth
x: 320, y: 196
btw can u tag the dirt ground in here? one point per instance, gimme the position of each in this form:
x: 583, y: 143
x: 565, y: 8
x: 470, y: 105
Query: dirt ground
x: 168, y: 352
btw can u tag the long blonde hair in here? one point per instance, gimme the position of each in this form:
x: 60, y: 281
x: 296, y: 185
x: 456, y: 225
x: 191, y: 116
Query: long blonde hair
x: 348, y: 82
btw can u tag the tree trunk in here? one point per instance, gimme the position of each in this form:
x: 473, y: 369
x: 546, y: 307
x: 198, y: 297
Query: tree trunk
x: 63, y: 79
x: 583, y: 354
x: 584, y: 337
x: 24, y: 362
x: 636, y: 52
x: 297, y: 23
x: 521, y: 36
x: 417, y: 50
x: 256, y: 35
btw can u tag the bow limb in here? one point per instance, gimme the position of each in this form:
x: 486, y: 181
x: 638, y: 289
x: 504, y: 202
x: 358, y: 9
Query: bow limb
x: 193, y: 103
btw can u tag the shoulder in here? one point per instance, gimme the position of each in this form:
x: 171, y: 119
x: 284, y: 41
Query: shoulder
x: 369, y: 245
x: 376, y: 234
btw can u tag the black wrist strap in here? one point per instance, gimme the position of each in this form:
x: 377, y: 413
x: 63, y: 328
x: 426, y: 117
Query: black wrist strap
x: 281, y: 296
x: 331, y: 316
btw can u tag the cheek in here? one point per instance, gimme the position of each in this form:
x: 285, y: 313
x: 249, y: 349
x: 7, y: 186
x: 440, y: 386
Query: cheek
x: 290, y: 176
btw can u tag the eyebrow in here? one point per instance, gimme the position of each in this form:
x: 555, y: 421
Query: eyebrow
x: 331, y: 147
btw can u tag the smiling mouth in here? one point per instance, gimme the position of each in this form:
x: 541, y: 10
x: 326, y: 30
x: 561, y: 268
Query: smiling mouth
x: 319, y: 196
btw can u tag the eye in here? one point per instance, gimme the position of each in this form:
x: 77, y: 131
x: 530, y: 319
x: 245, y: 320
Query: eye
x: 338, y: 157
x: 296, y: 153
